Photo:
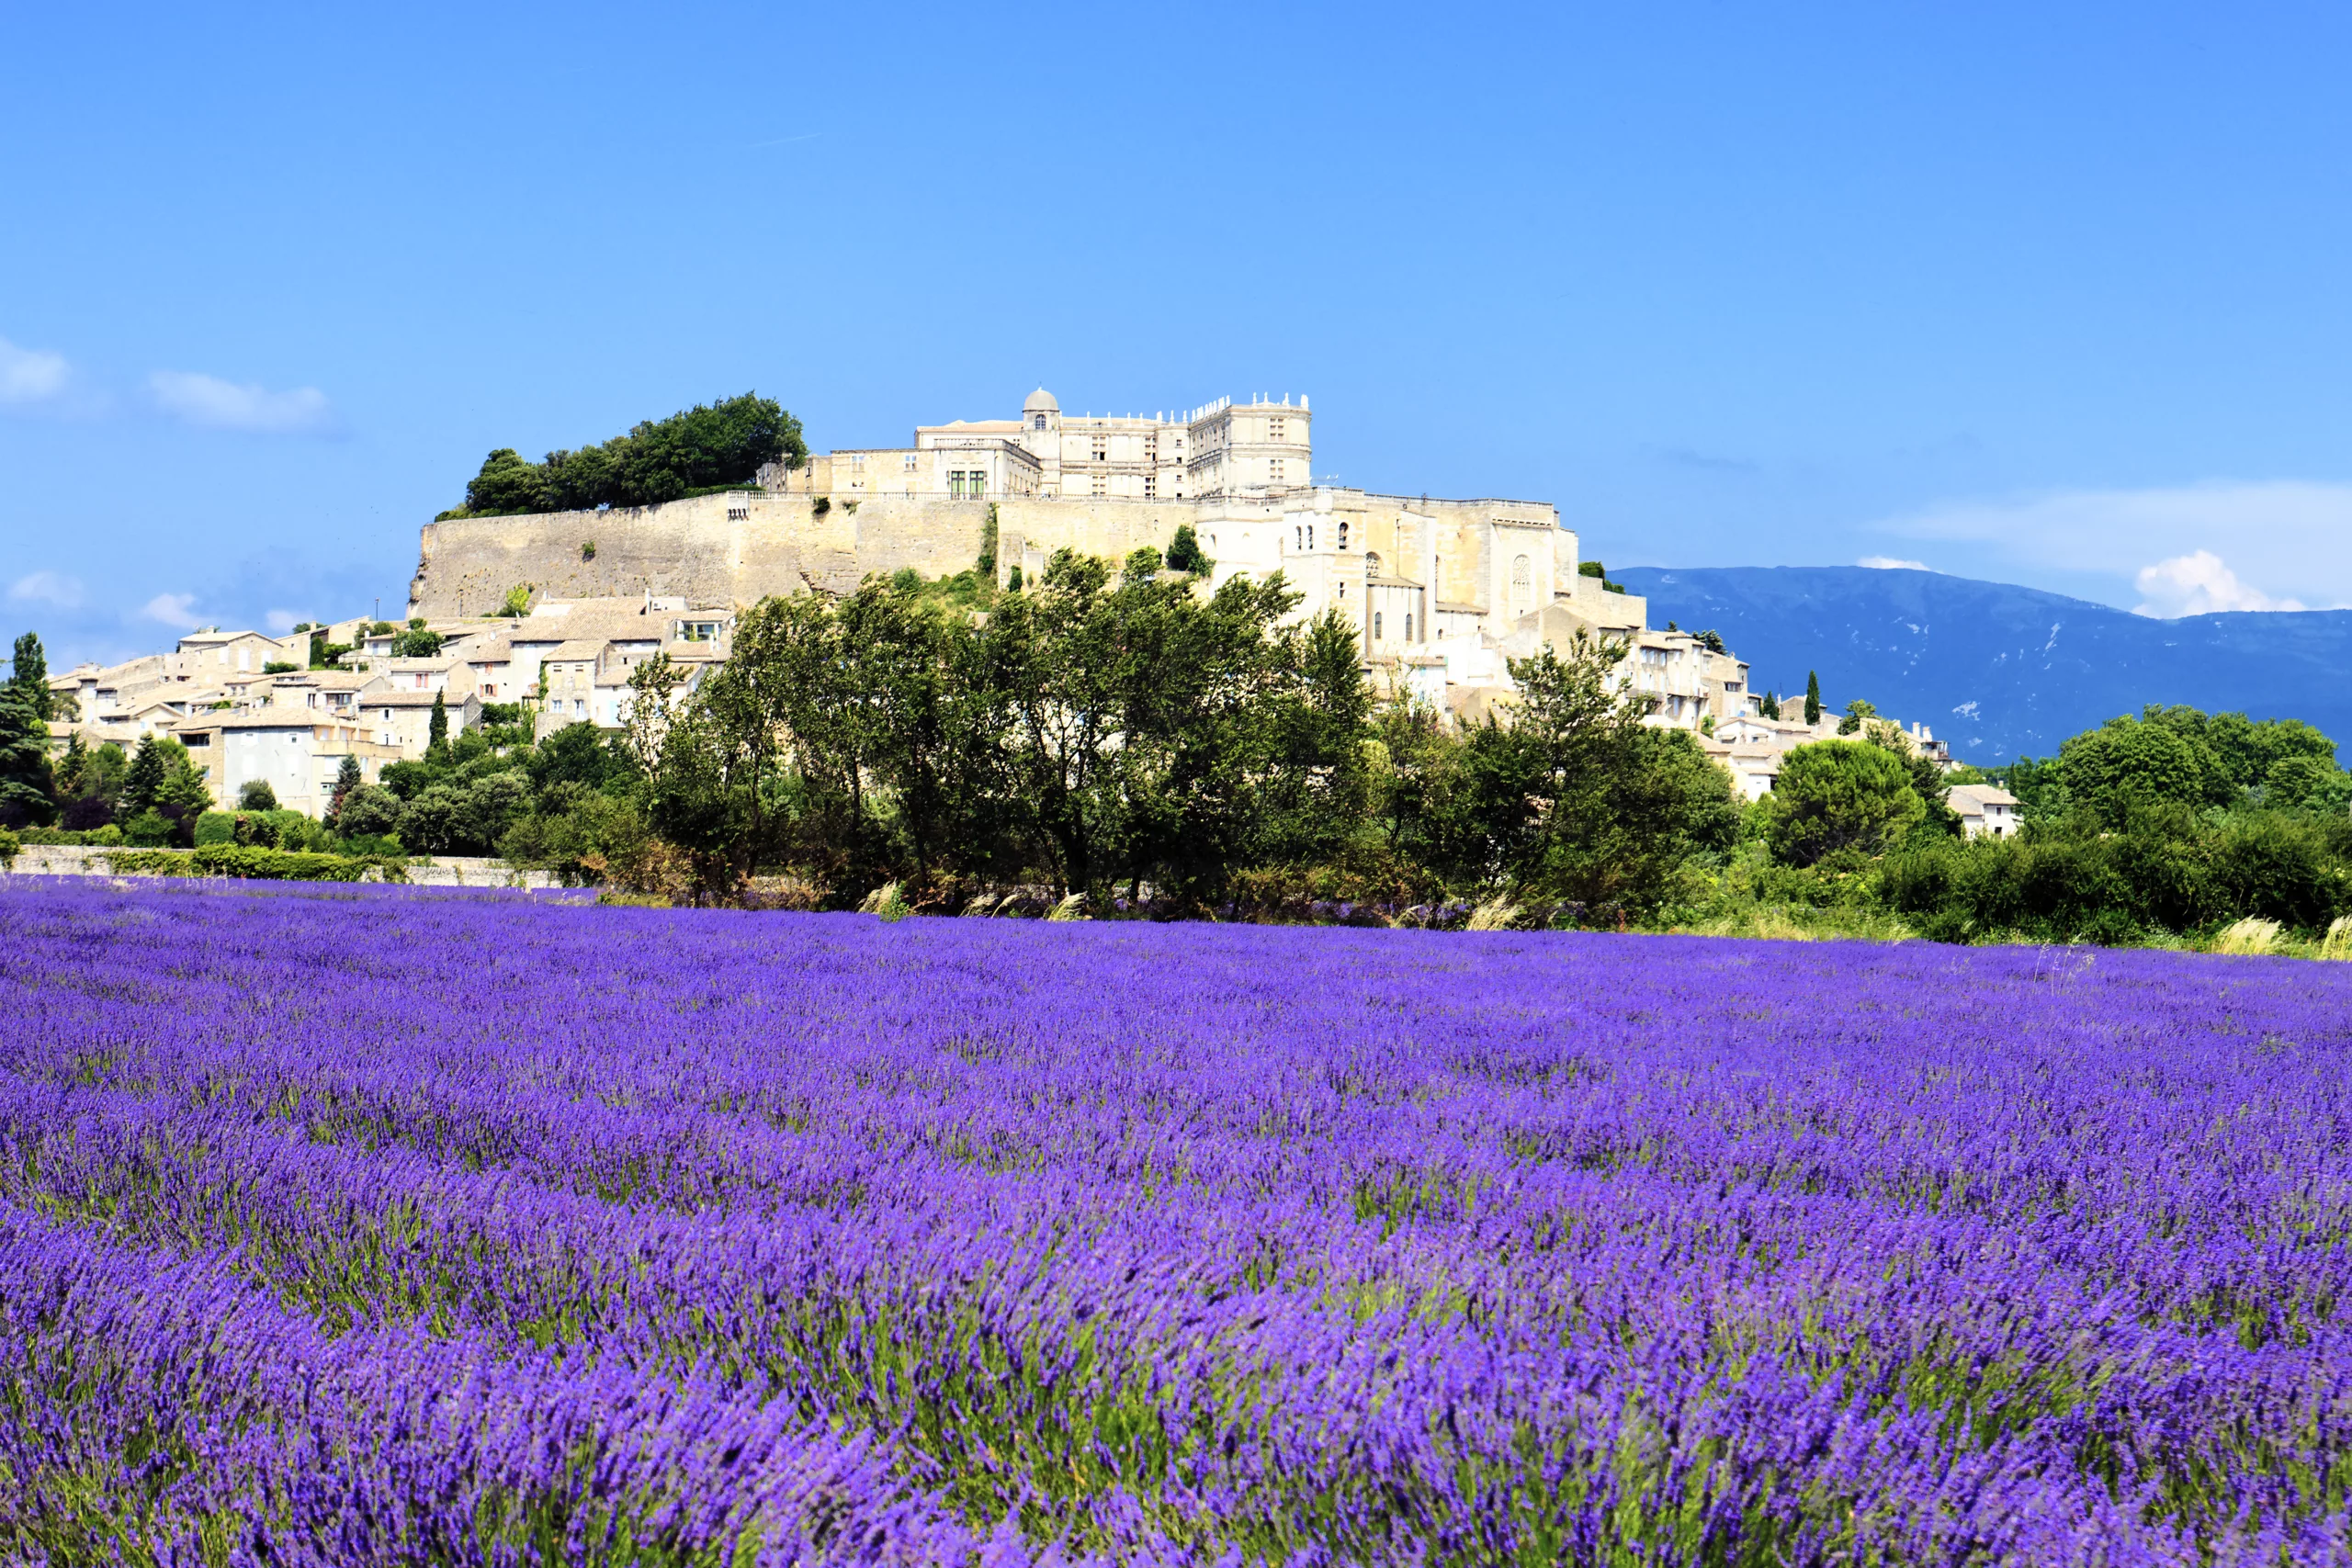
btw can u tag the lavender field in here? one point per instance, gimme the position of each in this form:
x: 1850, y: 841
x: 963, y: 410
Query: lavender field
x: 372, y: 1227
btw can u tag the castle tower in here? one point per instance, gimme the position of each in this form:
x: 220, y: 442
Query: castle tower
x: 1041, y: 433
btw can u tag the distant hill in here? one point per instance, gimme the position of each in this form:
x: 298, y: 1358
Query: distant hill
x: 1998, y: 670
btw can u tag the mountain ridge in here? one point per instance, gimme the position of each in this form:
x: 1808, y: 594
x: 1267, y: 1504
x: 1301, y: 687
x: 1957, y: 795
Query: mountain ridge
x: 1996, y: 670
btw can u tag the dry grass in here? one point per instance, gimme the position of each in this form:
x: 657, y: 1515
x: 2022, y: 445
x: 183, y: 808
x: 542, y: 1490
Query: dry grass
x: 2250, y: 936
x: 2337, y: 943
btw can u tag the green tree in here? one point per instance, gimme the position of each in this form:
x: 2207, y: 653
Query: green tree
x: 2130, y: 762
x: 1840, y: 799
x: 416, y: 642
x: 1857, y: 714
x: 437, y: 730
x: 2302, y: 782
x: 699, y: 449
x: 257, y: 795
x: 347, y: 778
x: 576, y: 755
x: 142, y: 782
x: 508, y: 483
x: 1811, y: 698
x: 28, y: 677
x: 1184, y: 552
x: 1626, y: 805
x: 25, y: 784
x: 1771, y: 708
x: 368, y: 812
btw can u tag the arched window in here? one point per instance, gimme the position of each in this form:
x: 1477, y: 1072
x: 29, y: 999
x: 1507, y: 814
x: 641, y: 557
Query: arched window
x: 1522, y: 585
x: 1041, y: 422
x: 1376, y: 626
x: 1343, y: 535
x: 1408, y: 625
x: 1310, y: 535
x: 1371, y: 563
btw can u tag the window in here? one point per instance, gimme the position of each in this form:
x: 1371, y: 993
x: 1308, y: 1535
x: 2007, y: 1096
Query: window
x: 1041, y: 423
x: 857, y: 462
x: 1408, y: 625
x: 908, y: 462
x: 1343, y: 535
x: 1371, y: 563
x: 1099, y: 486
x: 1150, y: 486
x: 1522, y: 585
x: 1273, y: 430
x: 1275, y: 472
x: 1376, y: 626
x: 1310, y: 535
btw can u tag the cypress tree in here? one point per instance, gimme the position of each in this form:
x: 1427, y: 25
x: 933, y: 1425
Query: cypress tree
x: 1812, y: 698
x: 1772, y: 705
x: 437, y: 734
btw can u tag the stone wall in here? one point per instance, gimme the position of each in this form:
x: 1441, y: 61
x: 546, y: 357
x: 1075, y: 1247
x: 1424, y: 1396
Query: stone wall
x: 739, y: 548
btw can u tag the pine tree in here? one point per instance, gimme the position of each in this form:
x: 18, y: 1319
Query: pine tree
x: 24, y: 762
x: 1772, y: 705
x: 346, y: 779
x: 1812, y: 698
x: 143, y: 780
x: 31, y: 677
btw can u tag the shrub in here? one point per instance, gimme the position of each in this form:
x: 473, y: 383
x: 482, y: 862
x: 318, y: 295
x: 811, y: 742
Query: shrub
x: 216, y: 828
x: 150, y: 829
x: 8, y: 846
x: 257, y: 795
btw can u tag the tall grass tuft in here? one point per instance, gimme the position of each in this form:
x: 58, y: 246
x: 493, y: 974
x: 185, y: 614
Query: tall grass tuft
x: 2251, y: 935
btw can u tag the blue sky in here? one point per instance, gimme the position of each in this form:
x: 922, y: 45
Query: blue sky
x: 2050, y: 295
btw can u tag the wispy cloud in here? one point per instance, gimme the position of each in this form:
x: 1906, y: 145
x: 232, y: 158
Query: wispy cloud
x: 1706, y: 462
x: 280, y: 622
x: 30, y: 376
x: 213, y: 404
x: 46, y: 587
x: 172, y: 610
x: 1889, y: 563
x: 2272, y: 535
x: 2198, y: 584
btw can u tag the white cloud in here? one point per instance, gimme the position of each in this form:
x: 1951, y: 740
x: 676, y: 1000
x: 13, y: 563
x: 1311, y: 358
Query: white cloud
x: 48, y: 588
x: 30, y: 376
x: 2198, y: 584
x: 1889, y: 563
x: 215, y: 404
x: 172, y: 610
x: 2271, y: 534
x: 279, y: 622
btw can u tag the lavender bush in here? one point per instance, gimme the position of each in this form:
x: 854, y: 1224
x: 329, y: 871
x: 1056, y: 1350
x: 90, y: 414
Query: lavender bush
x: 372, y: 1227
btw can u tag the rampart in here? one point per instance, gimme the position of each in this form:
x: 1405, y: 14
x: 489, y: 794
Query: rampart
x: 739, y: 548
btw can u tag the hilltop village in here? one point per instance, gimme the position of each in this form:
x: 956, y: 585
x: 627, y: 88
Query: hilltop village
x: 535, y: 622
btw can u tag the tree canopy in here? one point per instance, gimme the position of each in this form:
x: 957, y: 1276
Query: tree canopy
x: 725, y: 443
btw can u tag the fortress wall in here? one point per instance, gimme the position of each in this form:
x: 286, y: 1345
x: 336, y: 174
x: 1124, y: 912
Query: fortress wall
x: 732, y: 548
x: 739, y: 548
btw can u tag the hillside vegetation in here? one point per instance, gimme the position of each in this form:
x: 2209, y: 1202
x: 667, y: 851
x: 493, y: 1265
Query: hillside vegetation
x: 700, y: 448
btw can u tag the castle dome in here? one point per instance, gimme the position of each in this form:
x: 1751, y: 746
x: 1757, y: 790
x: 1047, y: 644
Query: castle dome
x: 1041, y: 402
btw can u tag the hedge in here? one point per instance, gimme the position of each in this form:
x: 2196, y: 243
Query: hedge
x: 252, y: 861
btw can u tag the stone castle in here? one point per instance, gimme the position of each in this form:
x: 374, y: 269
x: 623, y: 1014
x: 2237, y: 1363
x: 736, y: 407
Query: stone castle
x: 1441, y: 592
